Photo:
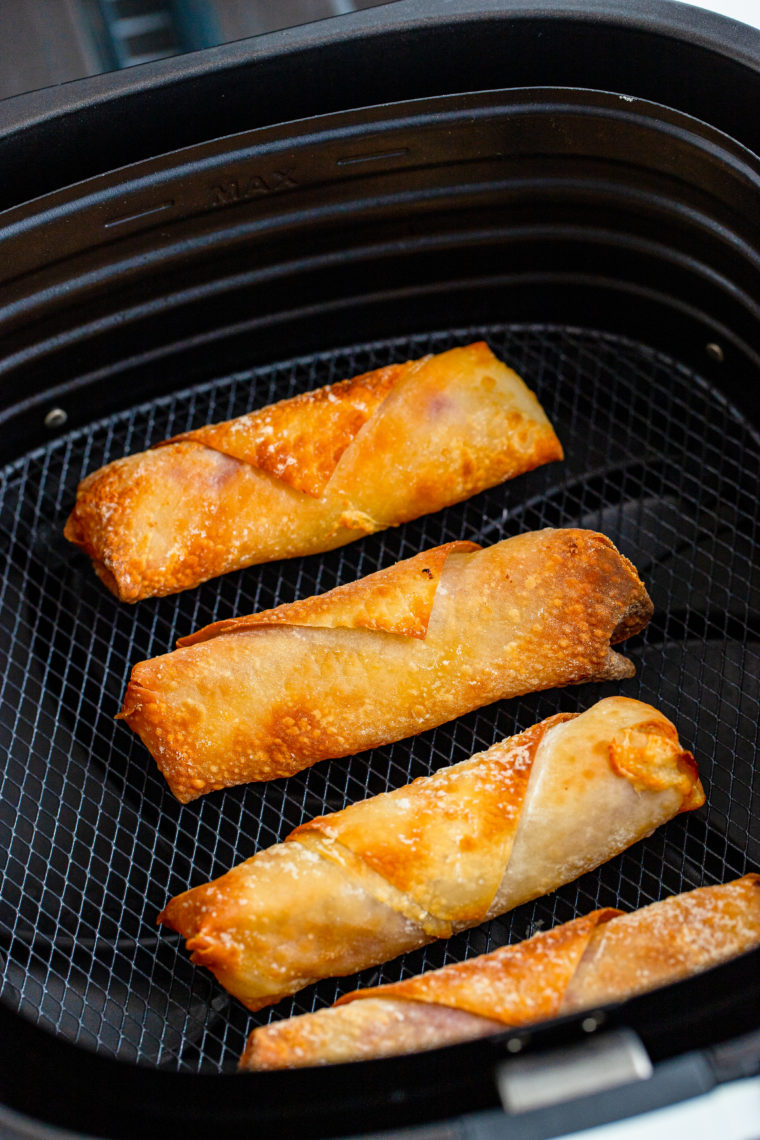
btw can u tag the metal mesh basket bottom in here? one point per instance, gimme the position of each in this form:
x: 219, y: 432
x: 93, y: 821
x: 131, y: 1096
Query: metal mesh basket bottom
x: 93, y: 844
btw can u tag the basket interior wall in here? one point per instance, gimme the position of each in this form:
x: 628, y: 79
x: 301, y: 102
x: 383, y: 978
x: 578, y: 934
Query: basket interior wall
x: 93, y: 844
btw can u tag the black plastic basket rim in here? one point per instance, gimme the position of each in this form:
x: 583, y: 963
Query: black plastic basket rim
x: 87, y: 107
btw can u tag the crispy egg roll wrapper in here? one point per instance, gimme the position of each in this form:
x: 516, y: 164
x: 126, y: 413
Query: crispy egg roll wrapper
x: 310, y: 473
x: 601, y: 958
x: 388, y: 656
x: 391, y: 873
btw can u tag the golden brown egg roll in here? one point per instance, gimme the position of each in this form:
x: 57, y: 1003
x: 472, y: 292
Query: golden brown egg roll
x: 601, y: 958
x: 446, y: 852
x: 389, y: 656
x: 310, y: 473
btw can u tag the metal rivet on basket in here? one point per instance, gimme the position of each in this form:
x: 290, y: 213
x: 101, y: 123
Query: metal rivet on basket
x: 55, y: 418
x: 514, y: 1045
x: 591, y: 1023
x: 715, y: 351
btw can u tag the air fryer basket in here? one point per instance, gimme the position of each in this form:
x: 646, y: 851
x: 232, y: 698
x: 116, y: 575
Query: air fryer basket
x: 606, y: 247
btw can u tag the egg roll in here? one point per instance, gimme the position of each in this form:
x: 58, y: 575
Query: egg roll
x: 386, y: 657
x: 446, y: 852
x: 603, y: 957
x: 310, y: 473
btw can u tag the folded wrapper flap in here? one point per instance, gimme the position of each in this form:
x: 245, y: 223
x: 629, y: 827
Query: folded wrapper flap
x: 398, y: 599
x: 459, y: 827
x: 515, y: 984
x: 575, y: 965
x: 301, y: 440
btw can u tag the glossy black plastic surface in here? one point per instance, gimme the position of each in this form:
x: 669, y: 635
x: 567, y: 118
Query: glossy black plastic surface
x: 681, y: 57
x: 578, y: 206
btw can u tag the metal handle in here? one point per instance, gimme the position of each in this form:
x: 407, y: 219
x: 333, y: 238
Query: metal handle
x: 614, y: 1058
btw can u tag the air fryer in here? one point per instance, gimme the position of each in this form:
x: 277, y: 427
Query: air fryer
x: 576, y: 184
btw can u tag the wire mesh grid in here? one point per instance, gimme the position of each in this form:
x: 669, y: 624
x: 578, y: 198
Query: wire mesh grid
x: 92, y: 842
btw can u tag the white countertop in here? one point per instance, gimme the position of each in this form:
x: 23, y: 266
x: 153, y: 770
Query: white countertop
x: 746, y: 10
x: 729, y: 1112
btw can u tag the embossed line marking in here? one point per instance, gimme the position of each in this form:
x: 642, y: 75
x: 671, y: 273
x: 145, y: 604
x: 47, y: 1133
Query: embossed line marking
x: 122, y: 219
x: 376, y: 156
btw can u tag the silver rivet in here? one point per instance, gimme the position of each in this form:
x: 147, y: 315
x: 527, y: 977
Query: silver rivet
x: 514, y: 1045
x: 715, y: 351
x: 591, y: 1024
x: 55, y: 418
